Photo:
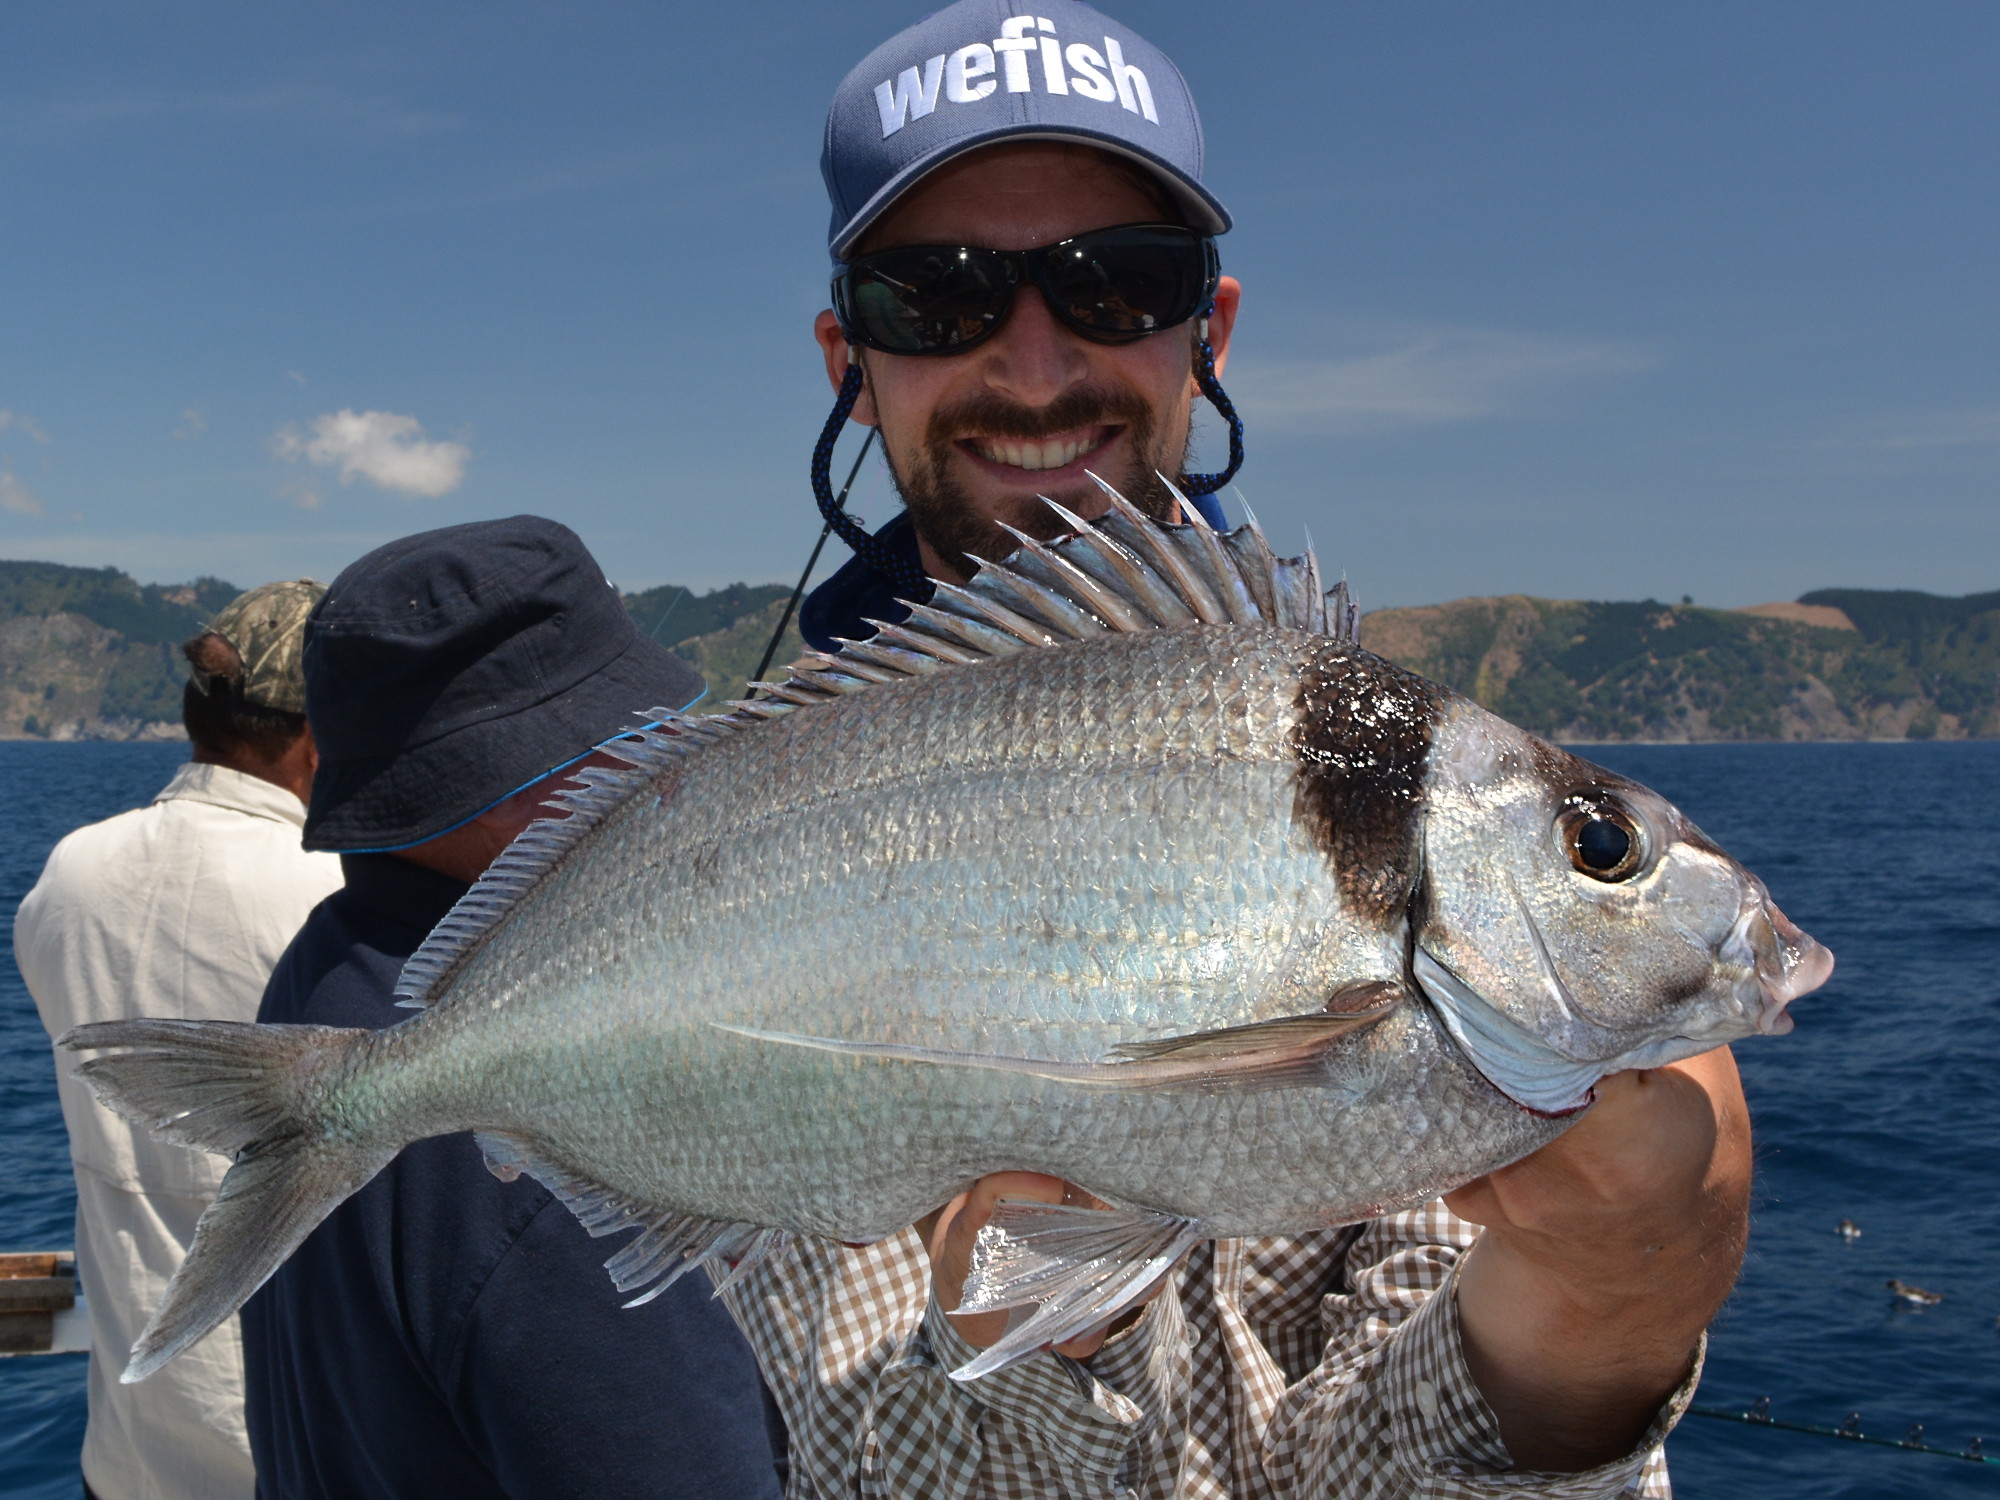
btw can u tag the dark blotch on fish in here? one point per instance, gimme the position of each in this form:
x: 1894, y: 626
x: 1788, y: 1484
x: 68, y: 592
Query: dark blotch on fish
x: 1363, y: 739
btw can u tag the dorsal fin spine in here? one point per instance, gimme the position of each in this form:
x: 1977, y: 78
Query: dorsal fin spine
x: 1114, y: 611
x: 1257, y: 567
x: 975, y: 633
x: 1209, y: 555
x: 1038, y: 601
x: 1100, y: 554
x: 1150, y: 540
x: 971, y: 604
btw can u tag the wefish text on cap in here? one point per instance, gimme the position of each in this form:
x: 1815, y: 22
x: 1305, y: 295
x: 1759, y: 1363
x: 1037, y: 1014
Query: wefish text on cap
x: 977, y: 73
x: 967, y: 74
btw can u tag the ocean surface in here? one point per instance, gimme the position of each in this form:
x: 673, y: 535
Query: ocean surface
x: 1882, y: 1108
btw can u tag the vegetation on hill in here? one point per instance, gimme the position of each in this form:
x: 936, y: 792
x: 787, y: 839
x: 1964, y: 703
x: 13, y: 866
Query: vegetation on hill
x: 1915, y: 666
x: 671, y: 614
x: 721, y: 634
x: 89, y: 653
x: 728, y: 656
x: 152, y: 613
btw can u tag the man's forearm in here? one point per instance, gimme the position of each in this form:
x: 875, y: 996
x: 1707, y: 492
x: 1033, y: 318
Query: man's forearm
x: 1584, y: 1302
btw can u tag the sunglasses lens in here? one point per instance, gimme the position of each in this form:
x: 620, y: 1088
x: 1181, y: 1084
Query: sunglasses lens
x: 1129, y: 281
x: 923, y: 299
x: 1113, y: 285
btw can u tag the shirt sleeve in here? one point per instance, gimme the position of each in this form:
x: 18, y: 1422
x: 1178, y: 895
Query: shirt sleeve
x: 1392, y: 1410
x: 859, y: 1356
x: 562, y: 1390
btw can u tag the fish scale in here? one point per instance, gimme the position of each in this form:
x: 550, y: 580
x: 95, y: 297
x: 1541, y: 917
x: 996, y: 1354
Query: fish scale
x: 1235, y: 926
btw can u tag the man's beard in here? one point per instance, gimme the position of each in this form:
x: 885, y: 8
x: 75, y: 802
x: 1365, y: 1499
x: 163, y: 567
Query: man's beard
x: 941, y: 510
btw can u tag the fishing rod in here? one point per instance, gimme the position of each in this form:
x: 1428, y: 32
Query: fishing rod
x: 1759, y: 1415
x: 812, y: 562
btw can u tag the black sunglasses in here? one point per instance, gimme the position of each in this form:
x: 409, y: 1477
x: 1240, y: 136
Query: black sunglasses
x: 1111, y: 286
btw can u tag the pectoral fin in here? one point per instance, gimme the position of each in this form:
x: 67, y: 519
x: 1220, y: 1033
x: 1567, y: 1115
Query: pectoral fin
x: 1078, y: 1268
x: 1287, y: 1052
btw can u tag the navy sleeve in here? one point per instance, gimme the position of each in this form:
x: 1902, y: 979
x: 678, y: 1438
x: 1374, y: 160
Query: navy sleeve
x: 447, y: 1336
x: 562, y: 1389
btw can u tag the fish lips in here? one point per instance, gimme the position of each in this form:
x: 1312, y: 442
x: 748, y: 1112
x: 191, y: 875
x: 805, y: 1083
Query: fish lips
x: 1786, y: 961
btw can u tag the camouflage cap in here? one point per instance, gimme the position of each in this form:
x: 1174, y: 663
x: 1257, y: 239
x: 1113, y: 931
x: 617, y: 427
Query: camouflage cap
x: 267, y: 627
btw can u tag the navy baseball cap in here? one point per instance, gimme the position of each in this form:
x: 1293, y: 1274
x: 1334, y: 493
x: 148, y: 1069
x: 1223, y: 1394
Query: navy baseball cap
x: 983, y: 71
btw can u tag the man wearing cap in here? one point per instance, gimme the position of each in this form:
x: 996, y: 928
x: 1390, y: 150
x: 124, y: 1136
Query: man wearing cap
x: 445, y: 1335
x: 178, y: 909
x: 1026, y: 288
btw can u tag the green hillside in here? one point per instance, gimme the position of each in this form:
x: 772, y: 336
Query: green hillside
x: 671, y: 613
x: 89, y: 653
x: 1913, y: 666
x: 721, y: 634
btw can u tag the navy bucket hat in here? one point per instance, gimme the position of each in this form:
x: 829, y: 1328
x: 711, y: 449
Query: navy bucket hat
x: 983, y: 71
x: 450, y: 669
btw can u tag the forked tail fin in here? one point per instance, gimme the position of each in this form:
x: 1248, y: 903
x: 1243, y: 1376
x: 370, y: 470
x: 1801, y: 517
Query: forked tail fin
x: 251, y: 1092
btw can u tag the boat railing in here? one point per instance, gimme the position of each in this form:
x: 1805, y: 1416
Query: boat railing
x: 40, y: 1309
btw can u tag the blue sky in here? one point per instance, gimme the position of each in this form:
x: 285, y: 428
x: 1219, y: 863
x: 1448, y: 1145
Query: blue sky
x: 1580, y: 300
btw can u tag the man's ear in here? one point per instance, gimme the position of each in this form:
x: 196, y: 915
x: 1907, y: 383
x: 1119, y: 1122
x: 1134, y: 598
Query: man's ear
x: 834, y: 346
x: 1222, y: 321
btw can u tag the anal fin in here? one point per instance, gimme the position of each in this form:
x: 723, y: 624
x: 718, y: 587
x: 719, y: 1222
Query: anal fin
x: 1078, y: 1268
x: 669, y: 1244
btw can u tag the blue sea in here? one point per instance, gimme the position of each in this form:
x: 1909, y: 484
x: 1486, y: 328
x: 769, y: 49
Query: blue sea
x: 1881, y: 1108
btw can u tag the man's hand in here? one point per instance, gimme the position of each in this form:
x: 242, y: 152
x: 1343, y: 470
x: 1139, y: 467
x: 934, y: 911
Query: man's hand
x: 1605, y: 1255
x: 950, y: 1233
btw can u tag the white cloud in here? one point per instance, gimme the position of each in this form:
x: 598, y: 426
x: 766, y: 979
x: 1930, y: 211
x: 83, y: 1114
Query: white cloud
x: 192, y: 423
x: 23, y: 423
x: 16, y: 496
x: 379, y: 446
x: 1420, y: 378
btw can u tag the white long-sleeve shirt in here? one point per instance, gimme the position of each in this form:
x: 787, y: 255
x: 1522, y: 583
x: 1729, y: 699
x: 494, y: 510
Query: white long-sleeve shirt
x: 179, y: 909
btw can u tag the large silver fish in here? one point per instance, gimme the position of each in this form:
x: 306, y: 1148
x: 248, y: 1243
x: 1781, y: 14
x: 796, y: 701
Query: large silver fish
x: 1122, y: 863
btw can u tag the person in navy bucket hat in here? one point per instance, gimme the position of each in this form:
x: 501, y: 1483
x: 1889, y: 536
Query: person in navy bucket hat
x: 1027, y: 292
x: 445, y: 1334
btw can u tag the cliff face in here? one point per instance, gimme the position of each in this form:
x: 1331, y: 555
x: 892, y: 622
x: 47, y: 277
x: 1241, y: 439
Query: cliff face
x: 87, y: 653
x: 1841, y: 664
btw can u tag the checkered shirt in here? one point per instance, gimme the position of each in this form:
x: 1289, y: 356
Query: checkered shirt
x: 1324, y: 1365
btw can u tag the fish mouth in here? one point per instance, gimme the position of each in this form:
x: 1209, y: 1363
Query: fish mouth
x: 1786, y: 962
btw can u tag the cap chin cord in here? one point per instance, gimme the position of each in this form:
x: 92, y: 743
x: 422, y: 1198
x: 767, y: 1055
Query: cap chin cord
x: 1204, y: 374
x: 909, y: 578
x: 905, y: 574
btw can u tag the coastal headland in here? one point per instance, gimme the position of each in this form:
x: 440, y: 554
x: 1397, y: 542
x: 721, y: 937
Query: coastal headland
x: 88, y: 653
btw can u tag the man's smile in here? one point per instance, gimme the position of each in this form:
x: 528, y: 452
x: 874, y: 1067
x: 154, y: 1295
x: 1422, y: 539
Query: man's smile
x: 1039, y: 455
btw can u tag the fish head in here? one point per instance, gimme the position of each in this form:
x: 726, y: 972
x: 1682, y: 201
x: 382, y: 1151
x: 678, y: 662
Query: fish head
x: 1574, y: 923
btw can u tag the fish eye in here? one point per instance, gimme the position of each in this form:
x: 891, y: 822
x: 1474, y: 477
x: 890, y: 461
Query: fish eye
x: 1601, y: 839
